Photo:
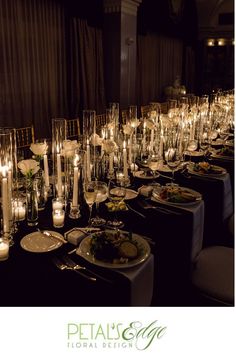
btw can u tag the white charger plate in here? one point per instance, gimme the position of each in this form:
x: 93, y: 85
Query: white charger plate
x: 211, y: 174
x: 130, y: 194
x: 166, y: 168
x: 84, y: 251
x: 222, y: 157
x: 141, y: 174
x: 194, y: 153
x: 197, y: 195
x: 39, y: 243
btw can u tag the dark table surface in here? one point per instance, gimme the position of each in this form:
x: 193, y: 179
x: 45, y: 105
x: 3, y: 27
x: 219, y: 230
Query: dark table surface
x: 33, y: 280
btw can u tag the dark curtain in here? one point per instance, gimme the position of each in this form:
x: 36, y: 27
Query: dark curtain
x: 87, y: 91
x: 36, y: 72
x: 189, y: 68
x: 159, y: 61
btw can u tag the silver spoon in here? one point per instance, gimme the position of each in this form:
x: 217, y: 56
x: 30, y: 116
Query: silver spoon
x: 47, y: 233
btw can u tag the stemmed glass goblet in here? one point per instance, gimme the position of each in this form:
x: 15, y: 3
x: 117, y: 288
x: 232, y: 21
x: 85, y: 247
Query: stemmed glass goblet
x: 173, y: 159
x: 204, y: 143
x: 116, y: 194
x: 153, y: 163
x: 192, y: 146
x: 101, y: 196
x: 90, y: 194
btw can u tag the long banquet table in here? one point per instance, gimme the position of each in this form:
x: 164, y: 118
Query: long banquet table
x: 176, y: 237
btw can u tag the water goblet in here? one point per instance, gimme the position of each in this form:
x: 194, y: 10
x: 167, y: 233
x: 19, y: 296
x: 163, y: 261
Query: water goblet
x: 90, y: 193
x: 116, y: 194
x: 173, y: 159
x: 204, y: 143
x: 154, y: 163
x: 101, y: 196
x: 192, y: 146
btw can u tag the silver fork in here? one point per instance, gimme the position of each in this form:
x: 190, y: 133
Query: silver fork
x: 76, y: 268
x: 71, y: 263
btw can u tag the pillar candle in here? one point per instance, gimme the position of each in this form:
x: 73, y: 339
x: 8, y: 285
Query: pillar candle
x: 58, y: 217
x: 161, y: 146
x: 4, y: 249
x: 111, y: 158
x: 5, y: 205
x: 19, y: 212
x: 130, y: 150
x: 9, y: 185
x: 125, y: 167
x: 144, y: 136
x: 59, y: 181
x: 58, y: 203
x: 46, y: 174
x: 75, y: 187
x: 88, y: 162
x: 152, y: 139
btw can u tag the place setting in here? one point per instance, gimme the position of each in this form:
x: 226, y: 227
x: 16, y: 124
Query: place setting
x: 226, y: 153
x: 114, y: 249
x: 206, y: 170
x: 176, y: 195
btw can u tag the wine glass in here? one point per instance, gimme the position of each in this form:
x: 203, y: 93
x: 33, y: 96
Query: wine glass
x: 204, y: 143
x: 101, y: 196
x: 116, y: 194
x: 173, y: 159
x: 154, y: 163
x: 173, y: 148
x: 172, y: 107
x: 90, y: 194
x: 192, y: 146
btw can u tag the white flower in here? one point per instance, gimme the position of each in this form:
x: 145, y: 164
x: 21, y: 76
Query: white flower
x: 150, y: 124
x: 96, y: 140
x: 135, y: 123
x: 39, y: 149
x: 69, y: 147
x: 127, y: 129
x: 109, y: 146
x: 111, y: 125
x: 28, y: 167
x: 153, y: 114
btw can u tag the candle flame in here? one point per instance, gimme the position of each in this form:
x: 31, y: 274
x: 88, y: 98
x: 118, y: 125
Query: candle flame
x: 4, y: 170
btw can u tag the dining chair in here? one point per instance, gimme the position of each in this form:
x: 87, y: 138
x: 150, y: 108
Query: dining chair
x: 144, y: 110
x: 24, y: 136
x: 213, y: 275
x: 164, y: 107
x: 72, y: 128
x: 101, y: 120
x: 124, y: 116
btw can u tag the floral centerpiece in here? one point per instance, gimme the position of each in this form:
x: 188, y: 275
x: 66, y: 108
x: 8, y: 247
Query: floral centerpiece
x: 39, y: 150
x: 69, y: 147
x: 29, y: 168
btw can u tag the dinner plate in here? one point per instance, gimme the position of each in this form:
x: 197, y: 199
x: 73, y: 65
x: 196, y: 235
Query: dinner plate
x: 166, y: 168
x: 141, y: 174
x: 222, y: 157
x: 229, y: 143
x: 211, y: 174
x: 39, y: 243
x: 218, y: 142
x: 198, y: 197
x: 84, y: 251
x: 130, y: 194
x: 194, y: 153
